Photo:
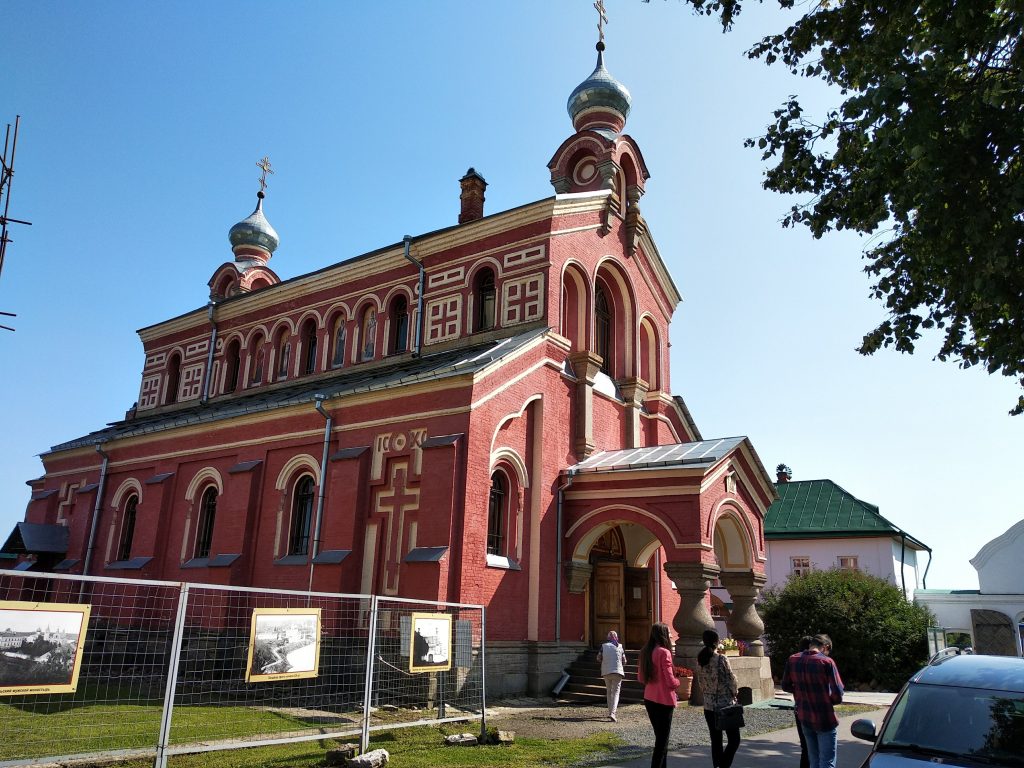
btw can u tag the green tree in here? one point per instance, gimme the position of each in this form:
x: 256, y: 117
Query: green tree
x: 924, y: 155
x: 879, y: 638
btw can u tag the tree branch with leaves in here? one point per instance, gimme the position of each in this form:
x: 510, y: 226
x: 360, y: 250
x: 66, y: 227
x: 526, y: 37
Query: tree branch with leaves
x: 923, y: 155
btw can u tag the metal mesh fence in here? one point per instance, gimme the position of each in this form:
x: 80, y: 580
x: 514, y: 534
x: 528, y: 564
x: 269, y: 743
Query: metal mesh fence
x: 166, y: 668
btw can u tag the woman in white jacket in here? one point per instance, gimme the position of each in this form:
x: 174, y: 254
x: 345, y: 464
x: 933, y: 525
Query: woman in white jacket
x: 612, y: 657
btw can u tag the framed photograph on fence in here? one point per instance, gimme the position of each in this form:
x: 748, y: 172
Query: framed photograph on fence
x: 284, y: 644
x: 41, y: 646
x: 430, y: 643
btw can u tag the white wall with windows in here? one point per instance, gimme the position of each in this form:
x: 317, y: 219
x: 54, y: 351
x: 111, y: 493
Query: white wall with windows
x: 879, y: 556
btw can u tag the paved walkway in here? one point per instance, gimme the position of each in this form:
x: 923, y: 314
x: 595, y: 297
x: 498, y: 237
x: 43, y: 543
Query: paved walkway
x: 781, y: 749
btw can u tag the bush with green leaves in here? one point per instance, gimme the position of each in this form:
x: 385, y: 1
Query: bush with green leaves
x: 879, y: 638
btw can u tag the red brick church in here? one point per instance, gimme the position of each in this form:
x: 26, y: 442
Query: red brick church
x: 478, y: 414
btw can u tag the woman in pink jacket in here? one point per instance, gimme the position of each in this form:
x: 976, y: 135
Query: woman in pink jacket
x: 660, y: 684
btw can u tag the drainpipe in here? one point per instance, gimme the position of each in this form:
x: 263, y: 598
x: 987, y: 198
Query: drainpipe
x: 209, y: 358
x: 319, y: 399
x: 558, y: 554
x: 924, y: 578
x: 419, y: 298
x: 903, y: 562
x: 96, y: 510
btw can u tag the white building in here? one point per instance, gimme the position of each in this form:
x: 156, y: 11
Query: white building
x: 990, y: 618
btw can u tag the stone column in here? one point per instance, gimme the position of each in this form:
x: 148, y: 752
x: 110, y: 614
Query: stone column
x: 744, y: 623
x: 577, y: 575
x: 586, y: 366
x: 633, y: 392
x: 692, y: 581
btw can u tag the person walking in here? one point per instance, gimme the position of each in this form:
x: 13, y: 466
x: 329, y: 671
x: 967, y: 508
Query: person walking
x: 805, y: 643
x: 660, y: 684
x: 813, y: 679
x: 719, y: 687
x: 612, y: 657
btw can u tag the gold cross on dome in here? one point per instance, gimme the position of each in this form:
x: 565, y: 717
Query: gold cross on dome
x: 265, y: 165
x: 602, y: 18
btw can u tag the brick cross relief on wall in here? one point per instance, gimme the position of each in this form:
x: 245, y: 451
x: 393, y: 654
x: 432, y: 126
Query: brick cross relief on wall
x: 397, y: 503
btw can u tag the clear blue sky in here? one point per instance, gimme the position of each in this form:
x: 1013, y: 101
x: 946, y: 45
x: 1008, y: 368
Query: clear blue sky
x: 142, y: 123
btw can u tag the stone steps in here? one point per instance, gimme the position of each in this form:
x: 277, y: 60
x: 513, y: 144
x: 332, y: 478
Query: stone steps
x: 586, y: 686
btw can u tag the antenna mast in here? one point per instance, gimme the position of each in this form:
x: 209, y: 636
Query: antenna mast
x: 6, y: 182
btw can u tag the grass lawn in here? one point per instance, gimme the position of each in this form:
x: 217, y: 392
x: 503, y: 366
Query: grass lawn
x: 96, y: 728
x: 419, y: 747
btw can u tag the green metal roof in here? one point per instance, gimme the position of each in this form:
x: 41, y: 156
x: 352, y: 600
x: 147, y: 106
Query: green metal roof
x: 820, y: 509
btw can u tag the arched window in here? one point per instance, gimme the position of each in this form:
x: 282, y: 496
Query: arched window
x: 284, y: 354
x: 233, y: 359
x: 338, y: 358
x: 302, y: 516
x: 309, y: 348
x: 207, y: 515
x: 257, y: 354
x: 369, y: 332
x: 603, y: 329
x: 496, y: 515
x: 485, y: 301
x: 124, y: 547
x: 399, y: 325
x: 173, y: 378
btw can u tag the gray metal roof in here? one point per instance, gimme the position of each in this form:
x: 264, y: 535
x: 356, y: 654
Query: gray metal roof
x: 348, y: 381
x: 702, y: 454
x: 37, y: 538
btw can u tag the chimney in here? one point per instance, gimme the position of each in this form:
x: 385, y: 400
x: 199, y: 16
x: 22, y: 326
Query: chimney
x: 472, y: 197
x: 783, y: 473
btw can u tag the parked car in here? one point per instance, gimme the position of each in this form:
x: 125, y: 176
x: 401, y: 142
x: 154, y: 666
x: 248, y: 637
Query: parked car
x: 960, y: 710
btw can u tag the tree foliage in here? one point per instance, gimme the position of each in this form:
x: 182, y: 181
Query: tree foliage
x: 924, y: 155
x: 879, y: 638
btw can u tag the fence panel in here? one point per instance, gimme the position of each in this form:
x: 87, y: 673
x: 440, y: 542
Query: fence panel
x: 250, y: 666
x: 117, y: 703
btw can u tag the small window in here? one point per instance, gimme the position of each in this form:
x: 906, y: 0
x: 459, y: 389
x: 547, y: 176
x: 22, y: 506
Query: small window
x: 173, y: 379
x: 257, y: 353
x: 302, y: 516
x: 485, y: 298
x: 234, y: 361
x: 338, y: 358
x: 848, y: 563
x: 309, y: 345
x: 369, y: 332
x: 284, y: 355
x: 603, y: 329
x: 800, y: 566
x: 399, y: 325
x: 496, y: 515
x: 207, y: 514
x: 124, y: 548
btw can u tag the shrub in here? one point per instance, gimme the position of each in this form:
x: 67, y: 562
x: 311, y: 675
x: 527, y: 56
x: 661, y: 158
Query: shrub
x: 879, y: 638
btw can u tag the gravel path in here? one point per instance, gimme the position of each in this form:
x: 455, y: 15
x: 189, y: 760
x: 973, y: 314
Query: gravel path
x: 535, y: 719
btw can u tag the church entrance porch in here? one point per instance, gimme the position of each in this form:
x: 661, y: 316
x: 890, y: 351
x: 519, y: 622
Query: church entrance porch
x: 649, y: 530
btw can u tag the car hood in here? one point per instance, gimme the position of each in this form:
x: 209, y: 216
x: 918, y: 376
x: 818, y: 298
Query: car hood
x: 912, y: 760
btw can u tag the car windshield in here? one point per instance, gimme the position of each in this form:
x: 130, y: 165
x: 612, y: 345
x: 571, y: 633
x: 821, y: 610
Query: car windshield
x: 975, y: 722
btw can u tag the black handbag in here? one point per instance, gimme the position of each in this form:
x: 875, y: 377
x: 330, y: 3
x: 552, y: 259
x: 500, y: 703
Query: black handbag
x: 730, y: 716
x: 727, y: 718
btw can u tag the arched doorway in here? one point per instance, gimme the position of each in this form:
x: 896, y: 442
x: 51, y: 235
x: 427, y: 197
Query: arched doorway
x: 621, y: 588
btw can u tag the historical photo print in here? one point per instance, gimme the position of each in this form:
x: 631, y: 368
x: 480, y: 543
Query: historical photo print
x: 284, y: 644
x: 430, y: 642
x: 41, y: 646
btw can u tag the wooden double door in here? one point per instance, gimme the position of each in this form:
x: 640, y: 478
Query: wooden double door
x: 620, y: 600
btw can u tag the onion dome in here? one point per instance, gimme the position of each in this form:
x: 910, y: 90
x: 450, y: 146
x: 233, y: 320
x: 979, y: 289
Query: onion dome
x: 254, y: 231
x: 600, y: 102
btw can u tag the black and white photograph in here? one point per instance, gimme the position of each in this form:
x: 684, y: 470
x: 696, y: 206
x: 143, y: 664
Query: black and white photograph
x: 284, y: 644
x: 41, y: 646
x: 430, y: 642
